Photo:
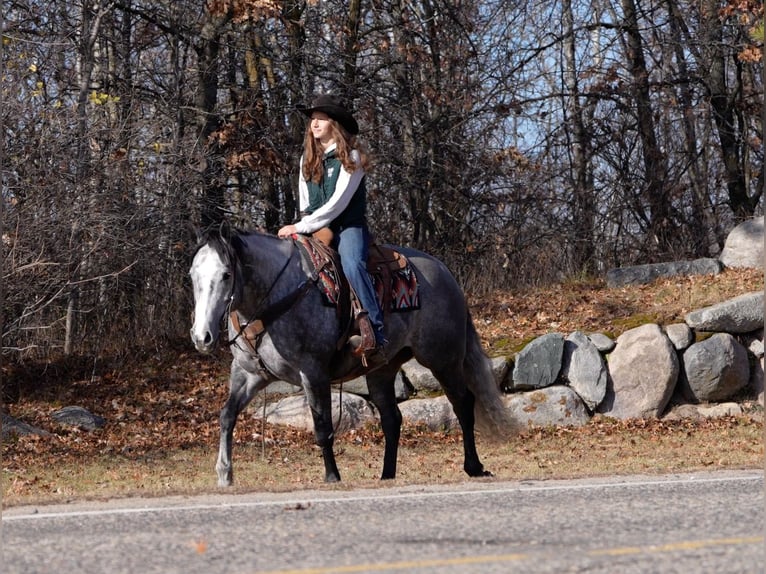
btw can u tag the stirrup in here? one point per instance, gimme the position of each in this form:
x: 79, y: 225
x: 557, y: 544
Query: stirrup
x: 364, y: 342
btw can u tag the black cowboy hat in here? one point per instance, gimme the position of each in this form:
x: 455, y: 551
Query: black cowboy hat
x: 333, y: 107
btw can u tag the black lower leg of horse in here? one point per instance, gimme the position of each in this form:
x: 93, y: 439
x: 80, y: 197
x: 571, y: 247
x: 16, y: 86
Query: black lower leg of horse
x: 463, y: 401
x: 321, y: 412
x: 465, y: 415
x: 381, y: 389
x: 326, y: 440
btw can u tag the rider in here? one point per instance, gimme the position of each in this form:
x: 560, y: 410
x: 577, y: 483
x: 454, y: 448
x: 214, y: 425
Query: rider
x: 332, y: 194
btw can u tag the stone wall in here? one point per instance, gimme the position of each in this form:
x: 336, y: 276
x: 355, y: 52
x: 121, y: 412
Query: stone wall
x: 709, y: 365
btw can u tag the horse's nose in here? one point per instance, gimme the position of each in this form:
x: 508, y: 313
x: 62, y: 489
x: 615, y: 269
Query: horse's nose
x: 203, y: 343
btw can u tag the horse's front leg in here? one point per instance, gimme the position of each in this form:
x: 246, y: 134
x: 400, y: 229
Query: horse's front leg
x: 242, y: 388
x: 319, y: 399
x: 380, y: 384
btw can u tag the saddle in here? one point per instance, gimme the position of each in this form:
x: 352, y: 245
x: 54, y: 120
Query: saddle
x: 388, y: 270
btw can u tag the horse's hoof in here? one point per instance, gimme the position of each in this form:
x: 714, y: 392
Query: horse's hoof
x: 332, y: 478
x: 478, y: 472
x: 225, y: 479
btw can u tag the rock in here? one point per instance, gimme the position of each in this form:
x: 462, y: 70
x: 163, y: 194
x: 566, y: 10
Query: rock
x: 744, y: 245
x: 419, y: 377
x: 739, y: 315
x: 603, y: 343
x: 643, y: 372
x: 500, y: 368
x: 584, y: 369
x: 699, y: 412
x: 680, y: 335
x: 557, y: 405
x: 78, y: 417
x: 13, y: 426
x: 754, y: 342
x: 402, y: 388
x: 756, y: 379
x: 435, y: 413
x: 282, y: 388
x: 642, y: 274
x: 539, y: 363
x: 715, y: 369
x: 294, y: 411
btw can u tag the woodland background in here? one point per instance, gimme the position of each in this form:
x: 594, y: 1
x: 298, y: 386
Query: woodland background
x: 522, y: 142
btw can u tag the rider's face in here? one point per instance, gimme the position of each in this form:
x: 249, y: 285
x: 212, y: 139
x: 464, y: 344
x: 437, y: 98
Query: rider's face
x: 320, y: 127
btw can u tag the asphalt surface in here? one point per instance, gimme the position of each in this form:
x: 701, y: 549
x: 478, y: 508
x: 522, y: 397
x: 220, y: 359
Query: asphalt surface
x: 692, y: 523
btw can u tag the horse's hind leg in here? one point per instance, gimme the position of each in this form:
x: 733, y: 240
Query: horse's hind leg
x: 242, y: 389
x: 380, y: 384
x: 463, y: 401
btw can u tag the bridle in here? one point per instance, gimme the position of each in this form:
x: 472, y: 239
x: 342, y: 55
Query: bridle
x: 254, y: 328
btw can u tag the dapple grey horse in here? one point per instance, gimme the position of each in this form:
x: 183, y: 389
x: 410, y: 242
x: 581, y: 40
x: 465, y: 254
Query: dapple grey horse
x: 263, y: 278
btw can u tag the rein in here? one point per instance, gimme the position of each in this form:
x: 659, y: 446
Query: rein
x: 254, y: 328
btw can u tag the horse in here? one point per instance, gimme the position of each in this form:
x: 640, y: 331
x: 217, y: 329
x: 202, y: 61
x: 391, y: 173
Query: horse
x: 254, y: 278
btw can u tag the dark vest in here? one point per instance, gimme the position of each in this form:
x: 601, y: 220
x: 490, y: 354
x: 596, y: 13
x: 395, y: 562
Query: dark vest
x: 320, y: 193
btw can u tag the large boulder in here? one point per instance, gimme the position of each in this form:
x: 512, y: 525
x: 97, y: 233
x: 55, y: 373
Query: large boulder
x: 741, y: 314
x: 557, y: 405
x: 714, y: 369
x: 12, y: 426
x: 584, y: 369
x: 642, y: 274
x: 744, y: 245
x: 539, y: 363
x: 643, y: 372
x: 294, y: 411
x: 419, y: 377
x: 434, y: 413
x: 78, y: 417
x: 700, y: 412
x: 403, y: 390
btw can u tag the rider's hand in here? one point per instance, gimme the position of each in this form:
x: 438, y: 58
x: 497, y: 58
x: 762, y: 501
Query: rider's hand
x: 287, y: 231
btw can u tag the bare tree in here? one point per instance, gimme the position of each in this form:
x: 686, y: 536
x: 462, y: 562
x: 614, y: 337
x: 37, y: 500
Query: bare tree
x: 518, y: 151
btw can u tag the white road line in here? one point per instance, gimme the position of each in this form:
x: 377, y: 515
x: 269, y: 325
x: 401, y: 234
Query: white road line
x: 621, y: 482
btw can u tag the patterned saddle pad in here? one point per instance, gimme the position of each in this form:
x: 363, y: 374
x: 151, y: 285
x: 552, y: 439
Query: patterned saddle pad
x: 392, y: 275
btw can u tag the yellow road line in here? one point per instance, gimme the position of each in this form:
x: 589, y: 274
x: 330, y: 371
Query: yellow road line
x: 675, y: 546
x: 406, y: 565
x: 501, y: 558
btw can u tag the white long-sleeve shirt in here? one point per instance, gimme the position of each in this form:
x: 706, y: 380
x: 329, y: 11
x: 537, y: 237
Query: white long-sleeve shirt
x: 345, y: 188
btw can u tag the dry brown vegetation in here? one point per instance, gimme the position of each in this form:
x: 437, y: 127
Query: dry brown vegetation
x: 162, y: 414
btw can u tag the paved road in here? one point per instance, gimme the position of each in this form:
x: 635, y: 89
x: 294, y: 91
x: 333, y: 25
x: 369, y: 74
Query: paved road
x: 702, y: 523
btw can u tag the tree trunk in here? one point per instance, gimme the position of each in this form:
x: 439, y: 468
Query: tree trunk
x: 577, y: 136
x: 702, y: 225
x: 723, y: 102
x: 213, y: 208
x: 655, y: 169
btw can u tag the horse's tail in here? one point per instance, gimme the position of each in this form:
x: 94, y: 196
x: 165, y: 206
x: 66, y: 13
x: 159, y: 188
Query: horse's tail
x: 492, y: 416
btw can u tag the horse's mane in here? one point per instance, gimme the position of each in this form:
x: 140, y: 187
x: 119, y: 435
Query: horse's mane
x: 226, y: 240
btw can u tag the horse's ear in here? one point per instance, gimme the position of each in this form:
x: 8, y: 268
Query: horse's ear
x: 194, y: 231
x: 224, y: 229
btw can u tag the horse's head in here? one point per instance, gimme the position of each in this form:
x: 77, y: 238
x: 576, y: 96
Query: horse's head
x: 213, y: 274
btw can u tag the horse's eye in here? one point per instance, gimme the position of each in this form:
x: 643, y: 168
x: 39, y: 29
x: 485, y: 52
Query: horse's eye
x: 226, y: 276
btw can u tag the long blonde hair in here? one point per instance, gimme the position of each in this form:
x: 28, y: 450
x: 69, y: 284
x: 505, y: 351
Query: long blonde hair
x: 313, y: 154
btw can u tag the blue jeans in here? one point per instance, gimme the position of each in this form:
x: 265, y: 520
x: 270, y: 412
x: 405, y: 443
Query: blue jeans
x: 353, y: 250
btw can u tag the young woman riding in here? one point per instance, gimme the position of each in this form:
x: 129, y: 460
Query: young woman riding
x: 332, y: 193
